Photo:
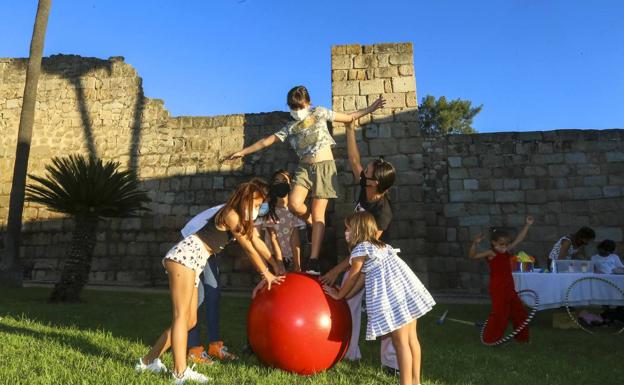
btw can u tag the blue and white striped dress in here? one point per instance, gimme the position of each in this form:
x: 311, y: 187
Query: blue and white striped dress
x: 394, y: 295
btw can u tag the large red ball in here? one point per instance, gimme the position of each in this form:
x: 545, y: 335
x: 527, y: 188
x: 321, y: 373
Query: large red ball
x: 296, y: 327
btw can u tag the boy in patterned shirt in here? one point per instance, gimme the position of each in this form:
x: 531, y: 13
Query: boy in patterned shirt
x: 315, y: 175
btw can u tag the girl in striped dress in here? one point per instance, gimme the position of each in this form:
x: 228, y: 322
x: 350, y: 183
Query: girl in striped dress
x: 395, y: 297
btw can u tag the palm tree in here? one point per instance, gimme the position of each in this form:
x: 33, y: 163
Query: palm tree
x: 87, y: 189
x: 10, y: 270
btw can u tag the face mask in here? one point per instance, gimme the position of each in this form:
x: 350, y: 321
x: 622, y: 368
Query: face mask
x: 348, y: 236
x: 500, y: 249
x: 300, y: 114
x: 254, y: 216
x: 264, y: 209
x: 281, y: 189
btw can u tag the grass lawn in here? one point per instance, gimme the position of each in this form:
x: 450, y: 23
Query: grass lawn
x: 98, y: 342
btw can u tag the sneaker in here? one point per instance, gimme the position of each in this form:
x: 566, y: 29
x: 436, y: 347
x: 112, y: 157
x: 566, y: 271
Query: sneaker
x: 313, y: 267
x: 198, y: 355
x: 220, y: 352
x: 190, y: 375
x: 155, y: 366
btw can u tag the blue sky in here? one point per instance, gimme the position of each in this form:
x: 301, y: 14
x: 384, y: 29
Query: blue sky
x: 534, y: 65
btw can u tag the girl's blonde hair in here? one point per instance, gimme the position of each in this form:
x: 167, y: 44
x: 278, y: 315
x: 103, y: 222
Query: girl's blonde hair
x: 363, y: 228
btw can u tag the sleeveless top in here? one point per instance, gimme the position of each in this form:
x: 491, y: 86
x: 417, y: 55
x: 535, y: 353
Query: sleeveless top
x: 500, y: 270
x: 214, y: 238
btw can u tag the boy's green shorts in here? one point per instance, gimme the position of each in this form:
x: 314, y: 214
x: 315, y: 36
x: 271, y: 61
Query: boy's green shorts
x: 319, y: 178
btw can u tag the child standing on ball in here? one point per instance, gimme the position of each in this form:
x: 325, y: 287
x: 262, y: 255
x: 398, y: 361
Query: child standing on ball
x: 315, y: 176
x: 505, y: 301
x: 395, y: 297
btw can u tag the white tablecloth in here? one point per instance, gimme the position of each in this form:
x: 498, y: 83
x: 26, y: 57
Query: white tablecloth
x: 552, y: 288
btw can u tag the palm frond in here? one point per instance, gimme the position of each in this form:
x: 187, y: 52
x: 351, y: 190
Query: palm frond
x: 80, y: 185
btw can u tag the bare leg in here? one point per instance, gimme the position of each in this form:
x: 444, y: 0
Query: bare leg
x: 414, y: 345
x: 400, y: 339
x: 318, y: 226
x: 296, y: 202
x: 183, y: 295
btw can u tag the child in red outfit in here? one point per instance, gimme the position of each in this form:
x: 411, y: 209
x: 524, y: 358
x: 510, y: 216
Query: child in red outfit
x: 505, y: 302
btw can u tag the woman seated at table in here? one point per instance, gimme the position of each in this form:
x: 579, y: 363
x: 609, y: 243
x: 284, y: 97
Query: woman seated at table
x: 570, y: 246
x: 606, y: 261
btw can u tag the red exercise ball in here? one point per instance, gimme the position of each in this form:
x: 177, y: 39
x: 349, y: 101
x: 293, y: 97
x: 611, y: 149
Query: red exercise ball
x: 296, y: 327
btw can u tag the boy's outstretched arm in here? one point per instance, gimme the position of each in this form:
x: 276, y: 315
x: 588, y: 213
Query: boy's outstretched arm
x: 529, y: 221
x: 259, y: 145
x: 350, y: 117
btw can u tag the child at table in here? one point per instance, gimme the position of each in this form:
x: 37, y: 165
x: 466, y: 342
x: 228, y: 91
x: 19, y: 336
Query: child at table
x: 606, y: 261
x: 569, y: 246
x: 505, y: 301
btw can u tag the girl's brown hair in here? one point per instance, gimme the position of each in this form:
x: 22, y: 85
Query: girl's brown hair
x: 384, y: 174
x: 363, y: 228
x: 298, y: 97
x: 241, y: 201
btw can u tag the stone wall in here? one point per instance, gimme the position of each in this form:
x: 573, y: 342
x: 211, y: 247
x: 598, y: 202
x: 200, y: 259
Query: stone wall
x: 447, y: 190
x: 565, y: 179
x: 93, y: 106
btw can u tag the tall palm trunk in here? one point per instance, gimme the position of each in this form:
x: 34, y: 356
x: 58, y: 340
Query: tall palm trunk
x: 10, y: 268
x: 77, y: 266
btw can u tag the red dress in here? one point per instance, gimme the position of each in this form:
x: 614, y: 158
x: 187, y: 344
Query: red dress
x: 505, y: 302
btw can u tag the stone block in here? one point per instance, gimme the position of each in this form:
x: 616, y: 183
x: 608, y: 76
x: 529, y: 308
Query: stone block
x: 474, y: 220
x: 575, y: 157
x: 471, y: 184
x: 395, y: 100
x: 460, y: 196
x: 383, y: 147
x: 401, y: 58
x: 341, y: 62
x: 612, y: 191
x: 403, y: 84
x: 349, y: 87
x: 454, y: 161
x: 587, y: 192
x: 509, y: 196
x: 558, y: 170
x: 458, y: 173
x: 387, y: 72
x: 365, y: 61
x: 615, y: 156
x: 454, y: 209
x: 613, y: 233
x: 368, y: 87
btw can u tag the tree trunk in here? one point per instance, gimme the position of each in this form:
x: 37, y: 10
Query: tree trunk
x: 10, y: 268
x: 77, y: 266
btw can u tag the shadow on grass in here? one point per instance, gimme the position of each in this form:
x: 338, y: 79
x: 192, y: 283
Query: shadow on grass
x: 77, y: 343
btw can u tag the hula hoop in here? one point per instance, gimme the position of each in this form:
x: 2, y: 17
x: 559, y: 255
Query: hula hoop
x: 520, y: 328
x: 567, y: 302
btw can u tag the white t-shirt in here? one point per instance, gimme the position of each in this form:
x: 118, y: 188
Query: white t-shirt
x: 605, y: 265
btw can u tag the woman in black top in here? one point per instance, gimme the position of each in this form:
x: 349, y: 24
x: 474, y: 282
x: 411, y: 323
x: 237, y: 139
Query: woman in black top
x: 375, y: 179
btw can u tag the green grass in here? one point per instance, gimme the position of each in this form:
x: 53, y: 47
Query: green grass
x: 98, y: 342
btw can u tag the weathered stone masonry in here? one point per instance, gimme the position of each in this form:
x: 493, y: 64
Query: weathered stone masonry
x: 448, y: 188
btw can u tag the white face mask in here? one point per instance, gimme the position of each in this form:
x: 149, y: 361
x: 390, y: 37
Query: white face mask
x: 254, y: 216
x: 348, y: 236
x: 300, y: 114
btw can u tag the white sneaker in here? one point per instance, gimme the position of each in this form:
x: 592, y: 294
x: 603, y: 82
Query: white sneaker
x: 155, y: 366
x: 190, y: 375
